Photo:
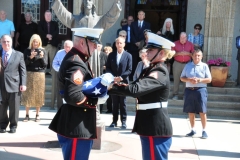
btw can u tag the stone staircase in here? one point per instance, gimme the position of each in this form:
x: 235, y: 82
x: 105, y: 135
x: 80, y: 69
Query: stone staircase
x: 48, y: 87
x: 222, y: 102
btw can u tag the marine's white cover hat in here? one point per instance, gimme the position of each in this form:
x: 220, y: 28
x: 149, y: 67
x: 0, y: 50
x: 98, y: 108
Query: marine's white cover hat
x: 93, y: 34
x: 156, y: 41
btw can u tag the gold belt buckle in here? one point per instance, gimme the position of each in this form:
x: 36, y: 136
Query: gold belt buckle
x: 192, y: 88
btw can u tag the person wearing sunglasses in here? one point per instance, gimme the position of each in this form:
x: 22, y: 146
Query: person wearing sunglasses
x: 196, y: 37
x: 122, y: 23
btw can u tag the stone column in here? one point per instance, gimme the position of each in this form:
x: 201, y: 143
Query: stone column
x: 219, y: 23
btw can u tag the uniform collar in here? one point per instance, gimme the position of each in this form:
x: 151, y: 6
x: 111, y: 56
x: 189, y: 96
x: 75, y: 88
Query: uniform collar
x: 80, y: 54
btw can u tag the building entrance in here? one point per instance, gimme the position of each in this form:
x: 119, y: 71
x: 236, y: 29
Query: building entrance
x: 38, y: 7
x: 158, y: 10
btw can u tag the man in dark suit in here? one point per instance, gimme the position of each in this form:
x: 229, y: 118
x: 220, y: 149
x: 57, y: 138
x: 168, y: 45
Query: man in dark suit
x: 138, y: 38
x: 12, y: 83
x: 127, y: 28
x: 48, y: 31
x: 119, y: 64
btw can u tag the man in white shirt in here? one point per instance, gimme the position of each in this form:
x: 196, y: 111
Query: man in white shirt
x: 56, y: 65
x: 119, y: 64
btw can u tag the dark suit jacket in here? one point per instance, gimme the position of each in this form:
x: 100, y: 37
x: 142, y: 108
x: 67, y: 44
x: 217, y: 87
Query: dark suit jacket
x: 136, y: 34
x: 125, y: 28
x: 14, y: 75
x: 43, y: 31
x: 124, y: 68
x: 103, y: 61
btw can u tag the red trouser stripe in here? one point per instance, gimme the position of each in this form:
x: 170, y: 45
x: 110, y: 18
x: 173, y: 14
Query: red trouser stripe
x: 151, y: 143
x: 74, y: 147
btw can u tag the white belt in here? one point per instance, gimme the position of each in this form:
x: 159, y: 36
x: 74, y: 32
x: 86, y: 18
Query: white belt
x: 152, y: 105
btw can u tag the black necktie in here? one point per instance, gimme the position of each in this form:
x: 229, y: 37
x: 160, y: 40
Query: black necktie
x: 48, y: 25
x: 139, y: 25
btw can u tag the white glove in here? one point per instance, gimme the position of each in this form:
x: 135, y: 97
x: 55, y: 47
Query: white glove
x: 106, y: 79
x: 102, y: 100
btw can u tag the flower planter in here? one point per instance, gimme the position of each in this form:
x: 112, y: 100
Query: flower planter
x: 219, y: 75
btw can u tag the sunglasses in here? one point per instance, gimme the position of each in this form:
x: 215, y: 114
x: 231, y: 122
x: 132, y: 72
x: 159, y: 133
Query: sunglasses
x: 198, y: 29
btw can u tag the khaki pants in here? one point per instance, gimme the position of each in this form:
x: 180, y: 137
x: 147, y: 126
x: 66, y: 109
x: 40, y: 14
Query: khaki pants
x: 51, y: 51
x: 177, y: 70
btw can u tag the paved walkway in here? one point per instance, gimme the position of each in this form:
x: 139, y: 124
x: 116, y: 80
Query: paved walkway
x: 31, y: 137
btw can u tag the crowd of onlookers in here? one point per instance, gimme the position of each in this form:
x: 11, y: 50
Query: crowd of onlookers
x: 39, y: 42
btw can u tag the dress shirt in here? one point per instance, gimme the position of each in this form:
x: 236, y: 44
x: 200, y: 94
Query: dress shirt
x: 119, y: 55
x: 198, y: 39
x: 58, y: 59
x: 128, y: 34
x: 4, y: 53
x: 7, y: 27
x: 179, y: 47
x: 140, y: 23
x: 200, y: 70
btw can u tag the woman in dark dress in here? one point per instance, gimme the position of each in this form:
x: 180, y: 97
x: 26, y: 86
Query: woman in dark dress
x: 168, y: 32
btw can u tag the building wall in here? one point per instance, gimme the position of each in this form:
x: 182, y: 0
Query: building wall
x: 196, y: 13
x: 196, y: 10
x: 236, y: 32
x: 109, y: 35
x: 7, y: 6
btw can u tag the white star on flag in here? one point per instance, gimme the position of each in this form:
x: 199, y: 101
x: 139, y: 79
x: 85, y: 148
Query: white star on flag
x: 97, y: 91
x: 88, y: 83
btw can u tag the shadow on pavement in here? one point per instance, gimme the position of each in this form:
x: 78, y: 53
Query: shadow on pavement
x: 11, y: 156
x: 189, y: 151
x: 116, y: 129
x: 209, y: 153
x: 23, y: 144
x: 213, y: 153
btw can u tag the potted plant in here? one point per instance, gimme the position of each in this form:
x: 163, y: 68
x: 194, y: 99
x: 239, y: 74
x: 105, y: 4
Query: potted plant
x: 219, y: 71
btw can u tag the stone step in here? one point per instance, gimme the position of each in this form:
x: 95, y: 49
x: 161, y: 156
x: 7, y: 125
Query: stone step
x: 211, y: 97
x: 216, y: 97
x: 178, y: 110
x: 222, y: 102
x: 210, y: 112
x: 219, y: 90
x: 48, y: 87
x: 48, y: 103
x: 210, y: 104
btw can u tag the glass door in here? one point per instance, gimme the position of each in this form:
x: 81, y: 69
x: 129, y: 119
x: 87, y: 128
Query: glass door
x: 38, y: 7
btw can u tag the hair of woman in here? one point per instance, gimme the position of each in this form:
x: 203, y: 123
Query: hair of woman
x: 164, y: 26
x: 35, y: 37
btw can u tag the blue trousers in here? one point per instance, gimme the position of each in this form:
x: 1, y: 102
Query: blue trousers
x: 155, y: 148
x: 75, y: 149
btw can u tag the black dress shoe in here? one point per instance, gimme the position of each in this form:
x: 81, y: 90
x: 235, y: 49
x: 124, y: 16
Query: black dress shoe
x: 113, y: 124
x: 124, y: 126
x: 12, y: 130
x: 2, y: 130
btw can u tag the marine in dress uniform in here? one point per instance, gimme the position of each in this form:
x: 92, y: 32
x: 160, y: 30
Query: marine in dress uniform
x: 75, y: 121
x: 151, y: 89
